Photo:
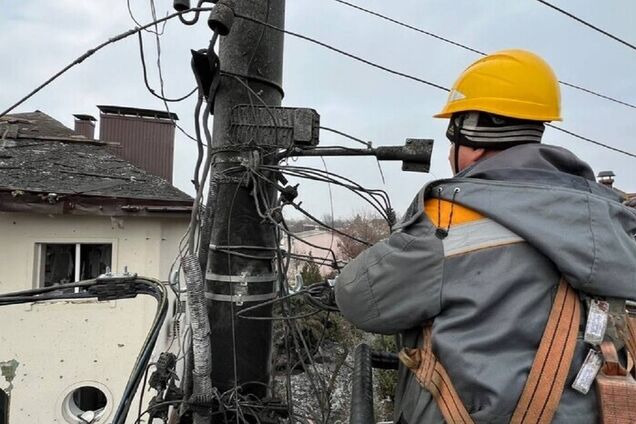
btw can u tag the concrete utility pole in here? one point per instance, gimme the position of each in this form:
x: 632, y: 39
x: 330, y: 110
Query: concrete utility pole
x: 242, y: 349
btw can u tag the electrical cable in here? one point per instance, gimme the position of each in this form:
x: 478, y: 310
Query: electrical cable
x: 587, y: 24
x: 473, y: 50
x: 91, y: 52
x: 160, y: 72
x: 145, y: 73
x: 598, y: 143
x: 349, y: 136
x: 132, y: 16
x: 394, y: 72
x: 342, y: 52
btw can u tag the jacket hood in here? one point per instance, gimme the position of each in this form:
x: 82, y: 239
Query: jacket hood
x: 548, y: 196
x: 537, y: 157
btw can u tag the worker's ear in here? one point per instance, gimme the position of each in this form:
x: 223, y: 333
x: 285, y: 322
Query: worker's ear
x: 479, y: 153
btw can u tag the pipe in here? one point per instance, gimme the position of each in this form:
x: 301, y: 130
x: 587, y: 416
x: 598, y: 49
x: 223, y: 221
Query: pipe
x: 362, y: 391
x: 385, y: 360
x: 202, y: 393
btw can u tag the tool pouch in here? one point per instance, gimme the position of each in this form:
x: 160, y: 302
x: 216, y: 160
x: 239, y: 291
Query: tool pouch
x: 616, y: 389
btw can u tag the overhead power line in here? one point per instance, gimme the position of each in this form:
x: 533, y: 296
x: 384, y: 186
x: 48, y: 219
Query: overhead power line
x: 404, y: 75
x: 589, y: 140
x: 94, y: 50
x: 133, y: 31
x: 411, y: 27
x: 587, y: 24
x: 473, y: 50
x: 342, y: 52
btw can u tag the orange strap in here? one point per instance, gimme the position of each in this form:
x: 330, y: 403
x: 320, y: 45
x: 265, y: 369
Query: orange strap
x: 615, y: 388
x: 630, y: 335
x: 430, y: 373
x: 542, y: 392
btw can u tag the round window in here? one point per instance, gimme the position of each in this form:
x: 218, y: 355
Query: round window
x: 84, y: 404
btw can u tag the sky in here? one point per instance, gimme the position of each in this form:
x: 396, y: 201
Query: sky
x: 39, y: 38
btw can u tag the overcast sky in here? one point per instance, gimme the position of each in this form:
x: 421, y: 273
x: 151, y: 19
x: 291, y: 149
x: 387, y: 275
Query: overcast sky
x: 39, y: 38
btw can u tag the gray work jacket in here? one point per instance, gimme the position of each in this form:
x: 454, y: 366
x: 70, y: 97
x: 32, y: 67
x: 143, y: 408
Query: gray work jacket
x: 490, y: 283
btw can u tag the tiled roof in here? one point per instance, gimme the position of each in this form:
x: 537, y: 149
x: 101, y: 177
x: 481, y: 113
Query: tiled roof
x: 39, y: 154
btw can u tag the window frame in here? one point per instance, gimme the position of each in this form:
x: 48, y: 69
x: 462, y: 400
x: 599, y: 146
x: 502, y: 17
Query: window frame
x: 39, y: 262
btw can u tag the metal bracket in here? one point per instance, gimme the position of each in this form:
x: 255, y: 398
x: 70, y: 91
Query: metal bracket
x: 241, y: 287
x: 244, y: 278
x: 239, y: 299
x: 415, y: 154
x: 274, y: 126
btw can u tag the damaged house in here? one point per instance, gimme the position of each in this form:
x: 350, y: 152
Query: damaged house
x: 72, y: 207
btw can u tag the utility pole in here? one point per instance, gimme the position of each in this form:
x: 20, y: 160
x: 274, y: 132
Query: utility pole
x: 242, y: 348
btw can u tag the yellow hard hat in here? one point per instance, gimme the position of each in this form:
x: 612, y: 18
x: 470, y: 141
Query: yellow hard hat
x: 514, y: 83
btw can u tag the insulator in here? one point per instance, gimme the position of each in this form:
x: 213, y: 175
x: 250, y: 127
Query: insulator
x: 181, y: 5
x: 222, y: 17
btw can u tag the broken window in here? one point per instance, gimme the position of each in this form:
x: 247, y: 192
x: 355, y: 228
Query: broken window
x: 63, y: 263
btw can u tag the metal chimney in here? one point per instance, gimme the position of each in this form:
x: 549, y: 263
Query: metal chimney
x: 606, y: 178
x: 145, y: 137
x: 85, y: 125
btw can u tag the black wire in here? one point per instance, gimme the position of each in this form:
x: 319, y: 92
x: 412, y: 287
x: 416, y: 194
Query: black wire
x: 145, y: 73
x: 398, y: 73
x: 598, y: 143
x: 197, y: 132
x: 589, y: 25
x: 92, y: 51
x: 132, y: 16
x: 395, y: 21
x: 314, y: 174
x: 319, y: 222
x: 342, y: 52
x: 143, y: 387
x: 465, y: 47
x: 158, y: 405
x: 594, y: 93
x: 349, y: 136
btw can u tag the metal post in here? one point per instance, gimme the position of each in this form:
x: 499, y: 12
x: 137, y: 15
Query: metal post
x: 241, y: 349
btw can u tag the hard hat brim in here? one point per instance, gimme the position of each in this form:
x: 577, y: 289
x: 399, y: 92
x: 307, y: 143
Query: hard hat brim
x: 503, y: 107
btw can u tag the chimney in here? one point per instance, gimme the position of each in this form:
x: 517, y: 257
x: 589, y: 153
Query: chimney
x: 85, y: 125
x: 606, y: 178
x: 145, y: 137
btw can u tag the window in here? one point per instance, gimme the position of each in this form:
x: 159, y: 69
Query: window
x: 69, y: 262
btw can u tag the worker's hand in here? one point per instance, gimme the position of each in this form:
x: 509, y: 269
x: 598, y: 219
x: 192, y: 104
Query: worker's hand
x: 630, y: 202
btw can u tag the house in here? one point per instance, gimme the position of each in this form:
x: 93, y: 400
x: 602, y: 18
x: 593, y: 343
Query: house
x: 607, y: 179
x: 70, y: 209
x: 314, y: 244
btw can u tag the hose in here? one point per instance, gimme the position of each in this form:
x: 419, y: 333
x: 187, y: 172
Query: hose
x: 202, y: 393
x: 362, y: 391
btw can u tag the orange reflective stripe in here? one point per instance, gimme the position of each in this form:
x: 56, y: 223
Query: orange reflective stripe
x: 439, y: 212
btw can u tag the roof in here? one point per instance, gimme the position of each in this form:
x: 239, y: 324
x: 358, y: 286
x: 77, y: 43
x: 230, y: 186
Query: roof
x: 148, y: 113
x: 40, y: 155
x: 83, y: 117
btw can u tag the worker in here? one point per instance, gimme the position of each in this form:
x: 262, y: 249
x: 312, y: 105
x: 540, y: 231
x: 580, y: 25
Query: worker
x: 470, y: 278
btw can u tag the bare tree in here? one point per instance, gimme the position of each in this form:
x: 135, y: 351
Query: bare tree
x: 367, y: 227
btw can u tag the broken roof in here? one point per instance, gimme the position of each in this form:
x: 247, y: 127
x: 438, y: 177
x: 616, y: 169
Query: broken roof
x: 38, y: 154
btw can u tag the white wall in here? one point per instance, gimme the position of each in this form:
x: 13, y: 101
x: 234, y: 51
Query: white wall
x: 146, y: 245
x: 60, y: 345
